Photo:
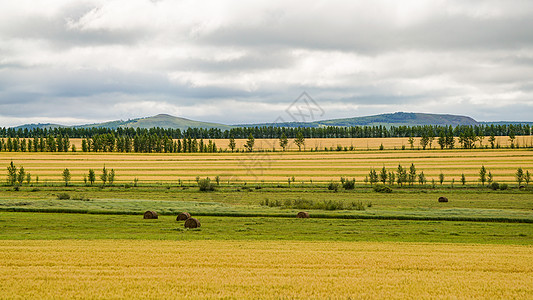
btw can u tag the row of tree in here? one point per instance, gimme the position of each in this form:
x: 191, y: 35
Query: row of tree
x: 148, y: 143
x: 410, y: 176
x: 41, y: 144
x: 275, y: 131
x: 19, y: 176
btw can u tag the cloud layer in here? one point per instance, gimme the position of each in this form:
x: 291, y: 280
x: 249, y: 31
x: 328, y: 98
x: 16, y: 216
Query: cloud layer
x: 246, y: 61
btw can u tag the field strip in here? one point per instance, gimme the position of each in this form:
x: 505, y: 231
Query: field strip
x: 262, y: 269
x: 276, y: 167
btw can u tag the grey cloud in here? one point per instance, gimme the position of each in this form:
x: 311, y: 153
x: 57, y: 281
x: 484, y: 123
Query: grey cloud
x: 56, y: 32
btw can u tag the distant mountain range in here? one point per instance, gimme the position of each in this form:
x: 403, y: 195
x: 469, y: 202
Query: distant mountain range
x: 394, y: 119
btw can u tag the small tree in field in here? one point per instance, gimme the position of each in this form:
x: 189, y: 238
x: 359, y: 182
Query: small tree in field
x: 11, y: 174
x: 21, y: 176
x: 482, y: 175
x: 373, y: 176
x: 103, y: 176
x: 519, y: 176
x: 463, y: 179
x: 411, y: 142
x: 111, y: 177
x: 492, y: 140
x: 527, y: 178
x: 66, y: 176
x: 299, y: 140
x: 441, y: 178
x: 91, y: 177
x: 402, y: 175
x: 231, y: 144
x: 412, y: 174
x: 283, y: 141
x: 250, y: 143
x: 422, y: 178
x: 383, y: 175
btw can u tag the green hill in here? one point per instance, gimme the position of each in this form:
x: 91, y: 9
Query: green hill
x: 402, y: 119
x: 161, y: 120
x: 394, y: 119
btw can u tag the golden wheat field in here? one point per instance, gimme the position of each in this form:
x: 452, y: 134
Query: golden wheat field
x: 262, y: 269
x: 357, y: 143
x: 273, y: 166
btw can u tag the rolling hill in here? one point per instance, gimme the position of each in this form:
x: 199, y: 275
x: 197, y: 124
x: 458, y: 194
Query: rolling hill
x: 393, y: 119
x: 161, y: 120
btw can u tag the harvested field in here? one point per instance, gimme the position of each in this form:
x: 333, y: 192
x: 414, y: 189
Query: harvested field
x: 274, y: 166
x: 245, y: 269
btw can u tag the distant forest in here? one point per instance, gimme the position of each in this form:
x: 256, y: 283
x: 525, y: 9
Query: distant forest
x: 270, y: 132
x: 192, y: 139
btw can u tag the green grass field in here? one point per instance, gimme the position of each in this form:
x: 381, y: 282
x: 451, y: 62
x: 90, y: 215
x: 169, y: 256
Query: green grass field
x: 57, y: 226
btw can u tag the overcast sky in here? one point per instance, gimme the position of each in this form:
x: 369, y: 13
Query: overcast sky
x: 75, y: 62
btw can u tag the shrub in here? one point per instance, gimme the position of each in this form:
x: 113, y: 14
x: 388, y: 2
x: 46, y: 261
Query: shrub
x: 349, y: 184
x: 333, y: 186
x: 503, y: 186
x: 382, y: 189
x: 63, y: 196
x: 205, y: 185
x: 495, y: 186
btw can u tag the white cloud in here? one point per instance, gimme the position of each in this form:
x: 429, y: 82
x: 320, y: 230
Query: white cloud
x: 233, y: 61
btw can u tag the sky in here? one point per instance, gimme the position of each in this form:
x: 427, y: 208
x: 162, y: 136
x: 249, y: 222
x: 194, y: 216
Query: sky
x: 77, y: 62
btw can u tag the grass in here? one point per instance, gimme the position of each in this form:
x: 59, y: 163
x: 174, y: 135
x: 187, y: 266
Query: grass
x: 156, y: 269
x: 58, y: 226
x: 407, y: 203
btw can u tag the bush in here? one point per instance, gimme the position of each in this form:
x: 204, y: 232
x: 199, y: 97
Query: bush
x: 63, y: 196
x: 205, y: 185
x: 333, y: 186
x: 382, y: 189
x: 349, y: 184
x: 503, y: 186
x: 495, y: 186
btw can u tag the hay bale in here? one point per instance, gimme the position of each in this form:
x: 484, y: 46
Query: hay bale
x: 150, y: 214
x: 183, y: 216
x: 192, y: 223
x: 303, y: 214
x: 443, y: 199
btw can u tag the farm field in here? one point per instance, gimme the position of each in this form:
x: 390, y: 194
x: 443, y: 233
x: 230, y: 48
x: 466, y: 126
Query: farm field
x: 262, y: 269
x: 358, y: 143
x: 60, y: 226
x: 357, y: 244
x: 472, y: 203
x: 274, y: 167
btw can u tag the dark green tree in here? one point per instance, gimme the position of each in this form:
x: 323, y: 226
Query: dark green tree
x: 283, y: 141
x: 299, y: 140
x: 66, y: 176
x: 250, y: 143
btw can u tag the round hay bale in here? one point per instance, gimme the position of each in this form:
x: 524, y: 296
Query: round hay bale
x: 443, y: 199
x: 192, y: 223
x: 303, y: 214
x: 150, y: 214
x: 183, y: 216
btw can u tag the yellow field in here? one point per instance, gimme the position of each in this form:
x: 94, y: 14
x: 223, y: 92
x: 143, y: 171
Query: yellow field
x: 262, y: 269
x: 358, y: 143
x: 273, y: 166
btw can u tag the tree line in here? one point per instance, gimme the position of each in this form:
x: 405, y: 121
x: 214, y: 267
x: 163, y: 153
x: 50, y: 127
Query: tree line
x: 276, y: 132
